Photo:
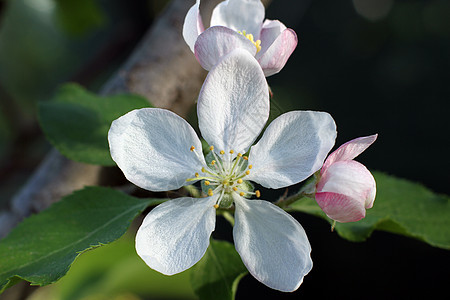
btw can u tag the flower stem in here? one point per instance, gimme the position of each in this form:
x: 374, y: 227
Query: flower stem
x: 307, y: 190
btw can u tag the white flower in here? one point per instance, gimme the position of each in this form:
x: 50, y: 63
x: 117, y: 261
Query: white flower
x: 158, y: 151
x: 239, y: 24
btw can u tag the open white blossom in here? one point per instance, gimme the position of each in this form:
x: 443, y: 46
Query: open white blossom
x: 239, y: 24
x: 158, y: 151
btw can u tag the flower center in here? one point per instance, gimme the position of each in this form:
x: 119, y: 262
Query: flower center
x: 224, y: 176
x: 249, y: 36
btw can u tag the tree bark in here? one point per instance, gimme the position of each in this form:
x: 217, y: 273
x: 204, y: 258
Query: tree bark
x: 162, y: 68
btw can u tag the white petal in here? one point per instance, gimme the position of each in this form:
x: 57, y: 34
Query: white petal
x: 292, y: 148
x: 175, y: 235
x: 193, y: 25
x: 271, y: 29
x: 272, y: 244
x: 273, y: 59
x: 216, y: 42
x: 240, y: 15
x: 152, y: 148
x: 233, y: 105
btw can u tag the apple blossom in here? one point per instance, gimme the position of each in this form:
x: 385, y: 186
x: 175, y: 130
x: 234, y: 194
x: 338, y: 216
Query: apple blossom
x: 239, y: 24
x: 158, y: 151
x: 346, y: 188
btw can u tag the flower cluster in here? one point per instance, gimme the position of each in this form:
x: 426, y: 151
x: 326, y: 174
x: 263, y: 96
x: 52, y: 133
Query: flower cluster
x: 159, y: 151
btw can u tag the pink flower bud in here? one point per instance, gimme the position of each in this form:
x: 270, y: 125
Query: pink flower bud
x: 346, y: 188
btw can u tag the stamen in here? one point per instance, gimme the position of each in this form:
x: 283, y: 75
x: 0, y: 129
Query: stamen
x: 222, y: 152
x: 242, y: 194
x: 216, y: 206
x: 251, y: 38
x: 192, y: 148
x: 240, y: 181
x: 257, y: 193
x: 247, y: 172
x: 196, y: 174
x: 221, y: 169
x: 235, y: 189
x: 211, y: 148
x: 239, y: 154
x: 213, y: 162
x: 210, y: 192
x: 250, y: 166
x: 207, y: 182
x: 231, y: 151
x: 245, y: 157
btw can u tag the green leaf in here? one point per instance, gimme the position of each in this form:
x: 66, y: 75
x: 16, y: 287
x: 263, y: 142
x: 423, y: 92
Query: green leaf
x: 78, y: 17
x: 76, y: 122
x: 115, y: 271
x: 400, y: 207
x: 218, y: 273
x: 42, y: 247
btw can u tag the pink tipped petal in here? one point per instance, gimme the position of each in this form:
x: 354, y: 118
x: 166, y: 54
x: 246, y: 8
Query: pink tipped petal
x: 216, y: 42
x: 240, y: 15
x: 341, y: 208
x: 272, y: 244
x: 175, y: 235
x: 193, y: 25
x: 349, y: 178
x: 351, y: 185
x: 233, y: 105
x: 276, y: 56
x: 270, y: 31
x: 350, y: 150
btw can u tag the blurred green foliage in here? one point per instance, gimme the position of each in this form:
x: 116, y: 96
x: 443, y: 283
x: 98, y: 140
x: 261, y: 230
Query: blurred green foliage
x: 115, y: 272
x: 402, y: 207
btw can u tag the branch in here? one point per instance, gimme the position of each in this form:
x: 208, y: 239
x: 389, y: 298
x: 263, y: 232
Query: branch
x: 161, y: 68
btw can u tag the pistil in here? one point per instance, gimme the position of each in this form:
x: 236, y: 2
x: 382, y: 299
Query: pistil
x: 225, y: 176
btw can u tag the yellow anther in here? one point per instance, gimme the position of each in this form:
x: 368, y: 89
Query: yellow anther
x: 258, y: 193
x: 239, y: 181
x: 203, y: 169
x: 241, y: 194
x: 258, y: 45
x: 210, y: 192
x: 247, y: 172
x: 207, y: 182
x: 222, y: 152
x: 196, y: 175
x: 239, y: 154
x: 231, y: 151
x: 213, y: 162
x: 216, y: 206
x: 250, y: 166
x: 192, y: 148
x: 211, y: 148
x: 235, y: 189
x: 245, y: 157
x: 225, y: 182
x: 251, y: 38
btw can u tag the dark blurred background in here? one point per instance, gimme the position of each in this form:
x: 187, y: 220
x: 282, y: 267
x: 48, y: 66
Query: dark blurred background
x: 378, y: 66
